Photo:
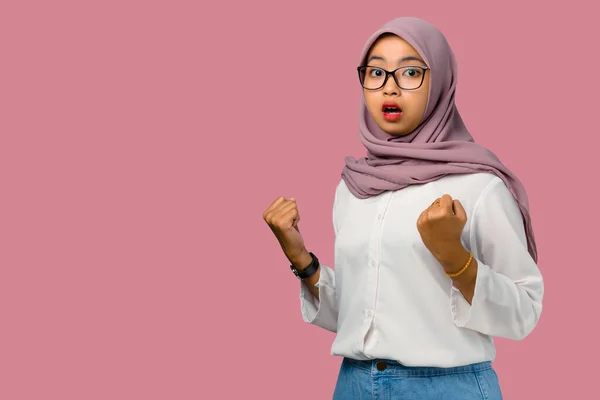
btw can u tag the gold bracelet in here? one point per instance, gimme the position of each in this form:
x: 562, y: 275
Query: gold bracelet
x: 463, y: 269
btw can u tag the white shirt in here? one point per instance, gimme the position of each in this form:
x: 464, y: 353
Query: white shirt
x: 388, y: 297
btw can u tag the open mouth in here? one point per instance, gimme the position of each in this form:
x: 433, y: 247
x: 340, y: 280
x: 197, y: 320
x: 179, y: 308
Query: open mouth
x: 391, y: 111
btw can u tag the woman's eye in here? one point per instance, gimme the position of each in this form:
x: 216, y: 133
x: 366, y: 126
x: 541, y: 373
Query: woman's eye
x: 411, y: 72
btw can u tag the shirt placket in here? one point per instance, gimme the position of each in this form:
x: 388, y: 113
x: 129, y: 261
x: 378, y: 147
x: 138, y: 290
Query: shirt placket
x: 373, y: 263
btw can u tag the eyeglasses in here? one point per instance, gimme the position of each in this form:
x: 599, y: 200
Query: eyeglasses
x: 407, y: 78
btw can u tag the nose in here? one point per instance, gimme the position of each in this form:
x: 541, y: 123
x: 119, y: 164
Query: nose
x: 390, y: 88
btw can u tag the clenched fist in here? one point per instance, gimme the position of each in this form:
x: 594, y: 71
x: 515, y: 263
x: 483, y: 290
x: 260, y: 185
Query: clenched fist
x: 441, y: 226
x: 282, y: 216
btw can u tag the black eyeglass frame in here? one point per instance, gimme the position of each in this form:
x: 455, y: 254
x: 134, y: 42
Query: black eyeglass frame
x: 393, y: 74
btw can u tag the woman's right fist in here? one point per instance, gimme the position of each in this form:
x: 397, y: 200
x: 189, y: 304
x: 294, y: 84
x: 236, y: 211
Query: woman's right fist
x: 282, y: 217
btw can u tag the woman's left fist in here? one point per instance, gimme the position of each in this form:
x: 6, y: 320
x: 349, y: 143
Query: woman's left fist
x: 441, y: 226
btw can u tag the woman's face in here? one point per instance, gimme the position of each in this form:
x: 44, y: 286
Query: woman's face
x: 396, y: 111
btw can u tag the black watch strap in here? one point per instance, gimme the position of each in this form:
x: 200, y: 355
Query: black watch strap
x: 309, y: 271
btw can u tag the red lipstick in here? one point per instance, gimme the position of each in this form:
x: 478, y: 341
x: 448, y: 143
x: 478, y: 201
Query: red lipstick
x: 391, y: 111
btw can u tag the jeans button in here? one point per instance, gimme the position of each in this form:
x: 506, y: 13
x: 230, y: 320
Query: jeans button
x: 381, y: 365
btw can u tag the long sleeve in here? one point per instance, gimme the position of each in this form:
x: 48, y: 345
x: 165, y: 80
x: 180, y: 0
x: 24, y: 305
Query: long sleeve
x: 509, y: 287
x: 322, y: 312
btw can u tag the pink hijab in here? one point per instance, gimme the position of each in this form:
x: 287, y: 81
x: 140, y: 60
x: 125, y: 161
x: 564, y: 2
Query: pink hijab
x: 441, y: 145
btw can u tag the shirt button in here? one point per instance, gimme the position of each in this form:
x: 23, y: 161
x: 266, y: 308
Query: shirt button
x: 372, y: 263
x: 379, y: 216
x: 368, y: 312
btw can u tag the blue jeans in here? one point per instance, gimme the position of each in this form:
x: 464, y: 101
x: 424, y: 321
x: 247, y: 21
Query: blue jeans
x: 390, y: 380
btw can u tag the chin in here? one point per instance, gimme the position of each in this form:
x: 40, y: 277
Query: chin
x: 393, y: 129
x: 398, y: 132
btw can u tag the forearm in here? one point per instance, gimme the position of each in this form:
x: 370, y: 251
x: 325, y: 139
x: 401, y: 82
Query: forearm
x: 506, y: 310
x: 302, y: 261
x: 453, y: 260
x: 320, y: 306
x: 500, y: 307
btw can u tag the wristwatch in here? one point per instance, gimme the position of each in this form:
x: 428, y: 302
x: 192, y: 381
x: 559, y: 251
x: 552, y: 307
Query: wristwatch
x: 309, y: 271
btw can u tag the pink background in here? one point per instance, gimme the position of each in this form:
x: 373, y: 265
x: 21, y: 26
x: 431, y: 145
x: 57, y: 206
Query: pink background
x: 142, y: 140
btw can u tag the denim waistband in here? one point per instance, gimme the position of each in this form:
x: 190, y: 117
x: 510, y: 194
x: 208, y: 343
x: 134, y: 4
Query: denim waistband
x: 394, y: 368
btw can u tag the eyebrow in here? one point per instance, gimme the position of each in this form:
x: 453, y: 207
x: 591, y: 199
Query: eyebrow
x: 403, y: 59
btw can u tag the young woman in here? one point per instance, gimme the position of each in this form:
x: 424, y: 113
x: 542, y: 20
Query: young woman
x: 434, y: 249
